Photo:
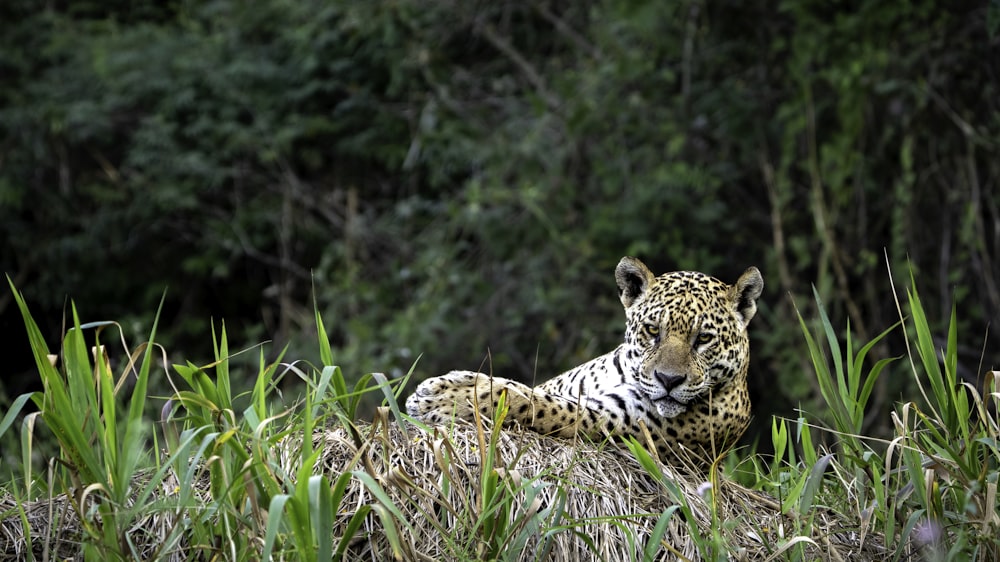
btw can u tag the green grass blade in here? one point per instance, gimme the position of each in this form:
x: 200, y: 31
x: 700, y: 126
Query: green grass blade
x: 813, y: 483
x: 109, y: 426
x: 530, y: 525
x: 321, y: 515
x: 27, y: 446
x: 261, y: 386
x: 831, y: 337
x: 406, y: 378
x: 860, y: 399
x: 863, y: 352
x: 38, y: 346
x: 805, y: 438
x: 866, y: 390
x: 322, y: 387
x: 325, y: 353
x: 339, y: 487
x: 79, y: 370
x: 13, y: 411
x: 388, y: 518
x: 779, y: 439
x: 351, y: 529
x: 824, y: 377
x: 222, y: 385
x: 155, y: 481
x: 276, y: 510
x: 353, y: 400
x: 377, y: 491
x: 928, y: 358
x: 653, y: 544
x: 959, y: 398
x: 794, y: 494
x: 340, y: 391
x: 390, y: 398
x: 644, y: 458
x: 200, y: 383
x: 904, y: 539
x: 849, y: 390
x: 557, y: 513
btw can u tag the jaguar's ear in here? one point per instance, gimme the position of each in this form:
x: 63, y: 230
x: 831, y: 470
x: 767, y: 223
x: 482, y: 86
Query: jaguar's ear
x: 745, y: 292
x: 633, y: 279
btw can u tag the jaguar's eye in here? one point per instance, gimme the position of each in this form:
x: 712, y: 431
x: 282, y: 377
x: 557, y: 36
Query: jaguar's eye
x: 704, y: 338
x: 652, y: 330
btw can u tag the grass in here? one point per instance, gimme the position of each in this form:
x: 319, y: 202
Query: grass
x: 250, y: 476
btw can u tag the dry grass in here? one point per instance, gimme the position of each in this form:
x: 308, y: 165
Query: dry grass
x: 564, y: 501
x: 608, y: 497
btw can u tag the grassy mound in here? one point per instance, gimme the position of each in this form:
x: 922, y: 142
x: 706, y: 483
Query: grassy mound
x: 548, y: 499
x: 474, y: 494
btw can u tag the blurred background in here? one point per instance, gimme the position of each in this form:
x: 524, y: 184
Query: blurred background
x: 456, y: 180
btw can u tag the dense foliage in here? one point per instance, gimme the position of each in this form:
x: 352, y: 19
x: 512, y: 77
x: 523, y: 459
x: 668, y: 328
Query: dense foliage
x: 458, y: 179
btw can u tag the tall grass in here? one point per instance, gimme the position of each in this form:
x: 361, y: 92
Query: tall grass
x: 931, y: 488
x: 102, y: 443
x: 241, y: 477
x: 219, y: 476
x: 238, y: 477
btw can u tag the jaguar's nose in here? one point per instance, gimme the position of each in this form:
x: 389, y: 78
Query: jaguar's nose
x: 668, y: 381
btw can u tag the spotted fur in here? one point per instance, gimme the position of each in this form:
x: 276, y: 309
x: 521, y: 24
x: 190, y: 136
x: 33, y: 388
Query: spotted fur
x: 681, y: 372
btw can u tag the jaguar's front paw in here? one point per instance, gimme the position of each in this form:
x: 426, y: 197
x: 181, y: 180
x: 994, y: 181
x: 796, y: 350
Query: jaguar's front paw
x: 439, y: 399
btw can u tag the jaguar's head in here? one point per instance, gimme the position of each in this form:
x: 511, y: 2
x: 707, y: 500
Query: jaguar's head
x: 688, y: 329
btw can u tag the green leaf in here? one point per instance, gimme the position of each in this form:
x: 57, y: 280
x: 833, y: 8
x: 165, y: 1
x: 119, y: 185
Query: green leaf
x: 827, y: 385
x: 779, y: 438
x: 380, y: 495
x: 805, y: 437
x: 275, y: 516
x: 14, y: 410
x: 390, y: 398
x: 321, y: 515
x: 351, y: 529
x: 643, y: 456
x: 653, y: 544
x: 813, y: 483
x: 325, y: 353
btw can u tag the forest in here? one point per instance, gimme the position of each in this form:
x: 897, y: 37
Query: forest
x: 452, y: 183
